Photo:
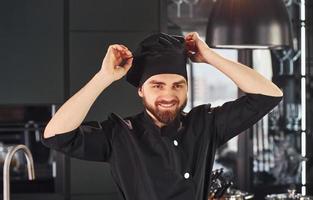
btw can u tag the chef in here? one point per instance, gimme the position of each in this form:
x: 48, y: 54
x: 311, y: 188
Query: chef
x: 161, y: 153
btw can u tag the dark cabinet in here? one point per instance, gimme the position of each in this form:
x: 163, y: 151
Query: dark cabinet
x: 50, y: 49
x: 94, y: 25
x: 31, y: 52
x: 117, y: 15
x: 87, y: 51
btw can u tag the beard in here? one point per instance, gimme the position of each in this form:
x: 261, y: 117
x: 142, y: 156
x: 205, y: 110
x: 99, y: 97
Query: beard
x: 165, y: 115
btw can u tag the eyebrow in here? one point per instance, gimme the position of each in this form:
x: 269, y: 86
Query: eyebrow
x: 180, y: 82
x: 156, y: 82
x: 162, y: 83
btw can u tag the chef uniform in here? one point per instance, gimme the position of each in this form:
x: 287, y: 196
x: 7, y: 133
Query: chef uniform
x: 169, y: 163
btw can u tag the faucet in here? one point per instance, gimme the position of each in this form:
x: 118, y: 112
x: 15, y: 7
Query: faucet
x: 6, y: 167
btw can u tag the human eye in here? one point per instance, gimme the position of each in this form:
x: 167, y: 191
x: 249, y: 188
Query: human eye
x: 157, y: 86
x: 178, y: 86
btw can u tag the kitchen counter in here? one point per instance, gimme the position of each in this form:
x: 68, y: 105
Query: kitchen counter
x: 37, y: 196
x: 53, y: 196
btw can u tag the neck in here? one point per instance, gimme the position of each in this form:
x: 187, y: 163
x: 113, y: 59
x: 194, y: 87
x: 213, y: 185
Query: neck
x: 155, y: 120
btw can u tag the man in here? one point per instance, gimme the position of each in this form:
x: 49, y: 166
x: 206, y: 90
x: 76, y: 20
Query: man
x: 160, y: 153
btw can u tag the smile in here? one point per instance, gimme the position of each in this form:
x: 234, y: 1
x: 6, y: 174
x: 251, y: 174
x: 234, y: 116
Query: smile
x: 167, y: 105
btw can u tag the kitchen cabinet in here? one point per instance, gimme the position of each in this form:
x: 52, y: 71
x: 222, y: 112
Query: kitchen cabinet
x: 86, y: 54
x: 51, y: 49
x: 31, y: 52
x: 87, y: 51
x: 117, y: 15
x: 93, y: 26
x: 112, y: 196
x: 38, y: 196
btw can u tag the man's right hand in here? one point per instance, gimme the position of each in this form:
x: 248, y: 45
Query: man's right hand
x: 116, y: 62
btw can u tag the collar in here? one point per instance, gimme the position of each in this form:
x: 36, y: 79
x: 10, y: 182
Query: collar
x: 169, y: 130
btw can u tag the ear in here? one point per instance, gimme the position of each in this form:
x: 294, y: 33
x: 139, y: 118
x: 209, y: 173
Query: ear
x: 140, y: 91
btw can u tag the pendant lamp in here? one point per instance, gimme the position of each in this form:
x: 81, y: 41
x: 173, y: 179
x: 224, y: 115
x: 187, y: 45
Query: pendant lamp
x: 249, y: 24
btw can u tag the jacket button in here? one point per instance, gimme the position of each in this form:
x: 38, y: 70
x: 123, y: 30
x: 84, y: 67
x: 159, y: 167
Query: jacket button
x: 186, y: 175
x: 175, y: 142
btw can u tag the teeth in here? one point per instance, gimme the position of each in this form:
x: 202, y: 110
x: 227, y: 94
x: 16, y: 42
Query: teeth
x: 167, y: 105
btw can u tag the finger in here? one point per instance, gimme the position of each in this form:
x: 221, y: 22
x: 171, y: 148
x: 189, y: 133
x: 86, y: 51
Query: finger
x: 116, y: 52
x: 121, y: 51
x: 128, y: 64
x: 190, y: 55
x: 190, y: 43
x: 193, y: 36
x: 189, y: 35
x: 125, y: 50
x: 189, y: 40
x: 117, y: 47
x: 191, y: 47
x: 128, y: 53
x: 124, y: 46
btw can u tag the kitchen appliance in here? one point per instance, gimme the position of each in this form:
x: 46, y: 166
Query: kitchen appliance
x: 22, y: 124
x: 220, y: 188
x: 291, y: 194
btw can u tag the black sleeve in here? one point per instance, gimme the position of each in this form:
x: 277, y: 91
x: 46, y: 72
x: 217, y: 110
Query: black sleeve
x: 90, y: 141
x: 235, y: 116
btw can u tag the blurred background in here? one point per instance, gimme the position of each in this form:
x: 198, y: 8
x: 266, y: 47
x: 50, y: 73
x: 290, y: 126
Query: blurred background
x: 51, y: 49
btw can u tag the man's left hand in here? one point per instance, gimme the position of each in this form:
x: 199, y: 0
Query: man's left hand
x: 197, y: 49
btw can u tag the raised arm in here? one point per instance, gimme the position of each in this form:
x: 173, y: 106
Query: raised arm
x: 72, y: 113
x: 233, y: 117
x: 247, y: 79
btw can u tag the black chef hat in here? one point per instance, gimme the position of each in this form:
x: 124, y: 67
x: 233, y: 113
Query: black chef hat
x: 158, y: 53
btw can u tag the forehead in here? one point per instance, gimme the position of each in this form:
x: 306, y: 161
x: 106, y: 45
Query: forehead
x: 165, y: 78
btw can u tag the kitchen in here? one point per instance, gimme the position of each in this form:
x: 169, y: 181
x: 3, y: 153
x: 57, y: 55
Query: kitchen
x: 50, y: 49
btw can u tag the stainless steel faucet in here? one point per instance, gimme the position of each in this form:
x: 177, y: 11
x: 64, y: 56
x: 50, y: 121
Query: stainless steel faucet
x: 6, y: 167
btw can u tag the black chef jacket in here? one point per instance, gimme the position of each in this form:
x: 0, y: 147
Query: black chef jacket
x: 169, y: 163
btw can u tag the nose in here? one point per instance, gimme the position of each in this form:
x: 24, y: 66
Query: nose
x: 168, y: 95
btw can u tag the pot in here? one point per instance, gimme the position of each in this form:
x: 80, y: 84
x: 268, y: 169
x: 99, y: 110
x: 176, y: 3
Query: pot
x: 288, y: 196
x: 237, y: 195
